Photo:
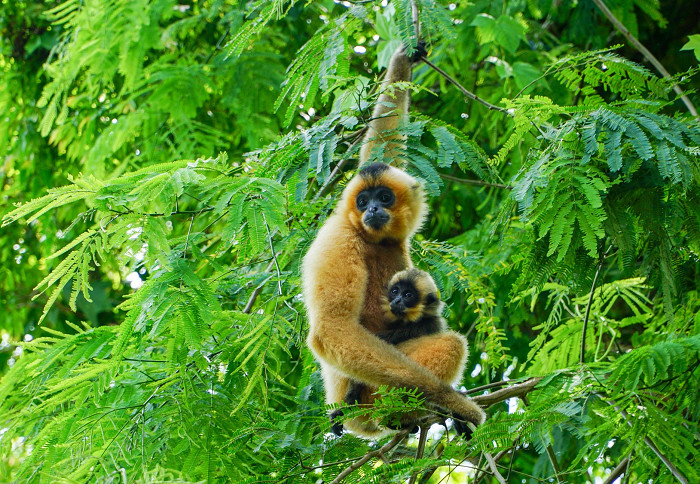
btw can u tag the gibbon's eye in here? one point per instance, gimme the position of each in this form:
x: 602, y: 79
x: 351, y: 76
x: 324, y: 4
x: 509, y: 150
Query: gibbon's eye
x: 386, y: 197
x: 394, y: 291
x: 362, y: 201
x: 408, y: 294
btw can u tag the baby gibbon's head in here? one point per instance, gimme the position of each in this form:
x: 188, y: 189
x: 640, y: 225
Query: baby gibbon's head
x: 384, y: 203
x: 410, y: 295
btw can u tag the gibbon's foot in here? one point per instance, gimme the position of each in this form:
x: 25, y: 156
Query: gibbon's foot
x: 421, y: 51
x: 461, y: 425
x: 337, y: 426
x: 402, y: 426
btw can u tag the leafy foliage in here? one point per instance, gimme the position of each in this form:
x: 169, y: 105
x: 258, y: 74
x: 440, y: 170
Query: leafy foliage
x: 166, y: 165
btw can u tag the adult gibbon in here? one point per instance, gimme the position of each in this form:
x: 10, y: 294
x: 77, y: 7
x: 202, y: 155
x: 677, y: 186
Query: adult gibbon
x: 355, y: 254
x: 412, y: 309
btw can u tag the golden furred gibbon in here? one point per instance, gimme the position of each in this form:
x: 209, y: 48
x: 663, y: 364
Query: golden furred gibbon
x: 354, y: 255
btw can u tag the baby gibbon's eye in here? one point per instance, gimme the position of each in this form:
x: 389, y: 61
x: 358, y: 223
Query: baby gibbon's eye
x: 362, y: 201
x: 407, y: 294
x: 394, y: 291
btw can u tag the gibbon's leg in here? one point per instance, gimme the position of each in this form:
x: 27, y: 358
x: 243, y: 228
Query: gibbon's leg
x: 391, y: 108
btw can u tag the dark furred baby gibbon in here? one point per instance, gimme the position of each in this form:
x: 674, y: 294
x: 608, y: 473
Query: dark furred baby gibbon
x: 354, y: 255
x: 411, y: 309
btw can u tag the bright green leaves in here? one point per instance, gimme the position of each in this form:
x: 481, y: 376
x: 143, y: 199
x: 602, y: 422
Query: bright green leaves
x: 693, y: 44
x: 649, y: 365
x: 322, y: 59
x: 568, y: 201
x: 256, y: 205
x: 504, y: 31
x: 433, y: 17
x: 584, y: 72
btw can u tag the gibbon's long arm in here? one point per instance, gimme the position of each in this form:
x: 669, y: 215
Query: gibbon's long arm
x: 334, y: 294
x: 390, y: 109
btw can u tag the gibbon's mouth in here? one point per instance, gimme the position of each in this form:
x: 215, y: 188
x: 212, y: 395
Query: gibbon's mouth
x: 400, y: 312
x: 375, y: 220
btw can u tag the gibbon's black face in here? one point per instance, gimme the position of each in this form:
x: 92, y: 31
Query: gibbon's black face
x: 373, y: 202
x: 402, y: 296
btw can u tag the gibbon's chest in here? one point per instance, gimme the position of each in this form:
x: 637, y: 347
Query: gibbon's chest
x: 382, y: 262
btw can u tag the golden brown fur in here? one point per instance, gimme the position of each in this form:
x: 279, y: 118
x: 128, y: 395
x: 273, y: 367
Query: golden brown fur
x: 345, y: 272
x: 391, y: 109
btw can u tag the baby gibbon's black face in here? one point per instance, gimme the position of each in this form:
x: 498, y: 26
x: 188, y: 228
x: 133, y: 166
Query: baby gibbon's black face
x: 402, y: 296
x: 373, y: 202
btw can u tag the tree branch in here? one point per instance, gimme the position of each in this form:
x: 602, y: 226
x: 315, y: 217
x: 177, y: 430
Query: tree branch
x: 618, y: 471
x: 464, y: 90
x: 369, y: 455
x: 480, y: 183
x: 645, y: 52
x: 518, y: 390
x: 421, y: 449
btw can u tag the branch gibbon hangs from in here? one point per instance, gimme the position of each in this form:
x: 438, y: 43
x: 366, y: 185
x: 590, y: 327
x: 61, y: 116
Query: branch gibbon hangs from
x: 356, y: 252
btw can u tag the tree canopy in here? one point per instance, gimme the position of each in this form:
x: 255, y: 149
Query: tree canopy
x: 165, y: 166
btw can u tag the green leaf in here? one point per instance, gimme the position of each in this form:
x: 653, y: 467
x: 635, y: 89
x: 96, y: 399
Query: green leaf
x: 693, y: 44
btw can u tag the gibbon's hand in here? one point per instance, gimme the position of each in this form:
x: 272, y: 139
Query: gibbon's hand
x: 420, y: 52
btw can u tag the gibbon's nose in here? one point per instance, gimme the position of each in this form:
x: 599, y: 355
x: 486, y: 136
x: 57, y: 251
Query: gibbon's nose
x: 372, y: 209
x: 398, y: 307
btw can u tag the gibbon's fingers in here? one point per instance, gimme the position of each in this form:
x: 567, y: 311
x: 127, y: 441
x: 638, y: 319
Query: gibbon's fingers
x: 420, y: 52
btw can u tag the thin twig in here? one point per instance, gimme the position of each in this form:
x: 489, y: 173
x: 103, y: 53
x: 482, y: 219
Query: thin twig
x: 416, y: 22
x: 490, y: 460
x: 582, y: 356
x: 492, y: 465
x: 464, y: 90
x: 480, y: 475
x: 327, y: 184
x: 553, y: 461
x: 618, y: 471
x: 369, y: 455
x: 650, y: 443
x: 479, y: 183
x: 256, y: 292
x: 645, y: 52
x: 421, y: 449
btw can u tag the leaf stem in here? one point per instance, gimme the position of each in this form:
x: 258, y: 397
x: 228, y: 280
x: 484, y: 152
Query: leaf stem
x: 479, y: 183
